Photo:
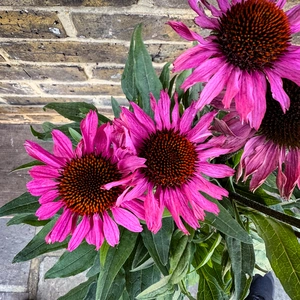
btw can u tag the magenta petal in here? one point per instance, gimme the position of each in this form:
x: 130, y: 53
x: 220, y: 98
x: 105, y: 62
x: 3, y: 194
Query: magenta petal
x: 95, y: 235
x: 49, y: 196
x: 88, y: 128
x: 185, y: 32
x: 62, y: 146
x: 48, y: 210
x: 38, y: 172
x: 61, y: 229
x: 126, y: 219
x: 215, y: 170
x: 294, y: 19
x: 137, y: 207
x: 79, y: 234
x: 111, y: 230
x: 37, y: 152
x: 38, y: 187
x: 153, y: 212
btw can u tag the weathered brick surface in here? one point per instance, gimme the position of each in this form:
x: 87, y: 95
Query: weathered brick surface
x: 33, y: 72
x: 106, y: 73
x: 33, y: 100
x: 66, y: 51
x: 172, y: 3
x: 82, y: 89
x: 120, y: 26
x: 30, y: 24
x: 15, y: 88
x: 96, y: 3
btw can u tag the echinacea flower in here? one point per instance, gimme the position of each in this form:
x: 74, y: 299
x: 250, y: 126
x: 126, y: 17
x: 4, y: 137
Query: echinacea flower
x: 177, y: 163
x: 249, y: 45
x: 276, y: 145
x: 72, y: 180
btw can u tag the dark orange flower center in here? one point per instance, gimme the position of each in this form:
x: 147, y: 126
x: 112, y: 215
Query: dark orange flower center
x: 81, y: 181
x: 253, y: 34
x: 283, y: 129
x: 171, y: 158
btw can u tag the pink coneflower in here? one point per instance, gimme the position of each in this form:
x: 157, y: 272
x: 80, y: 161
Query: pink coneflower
x: 177, y: 159
x: 73, y: 181
x: 249, y: 45
x: 276, y: 145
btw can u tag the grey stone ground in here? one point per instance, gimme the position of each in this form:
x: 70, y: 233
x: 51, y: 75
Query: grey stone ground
x: 23, y: 281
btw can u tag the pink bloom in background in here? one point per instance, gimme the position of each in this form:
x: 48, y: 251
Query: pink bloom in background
x: 73, y: 181
x: 275, y: 146
x: 249, y: 45
x: 177, y: 159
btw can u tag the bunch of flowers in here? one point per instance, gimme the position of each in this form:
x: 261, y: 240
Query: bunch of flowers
x: 185, y: 183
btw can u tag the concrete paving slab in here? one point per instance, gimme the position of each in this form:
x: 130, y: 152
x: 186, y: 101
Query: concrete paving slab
x: 14, y: 238
x: 13, y: 296
x: 51, y: 289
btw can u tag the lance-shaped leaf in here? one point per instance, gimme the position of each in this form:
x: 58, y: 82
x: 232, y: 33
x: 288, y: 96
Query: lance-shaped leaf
x: 115, y: 259
x: 72, y: 263
x: 225, y: 223
x: 26, y: 203
x: 38, y: 246
x: 115, y: 107
x: 80, y: 291
x: 29, y: 219
x: 283, y: 251
x: 242, y: 258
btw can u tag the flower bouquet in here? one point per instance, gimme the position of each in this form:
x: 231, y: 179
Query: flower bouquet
x: 175, y: 196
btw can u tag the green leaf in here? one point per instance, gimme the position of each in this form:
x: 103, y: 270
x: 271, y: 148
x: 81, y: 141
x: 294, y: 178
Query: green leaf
x: 141, y: 255
x: 26, y: 203
x: 95, y: 269
x: 147, y: 81
x: 209, y: 287
x: 80, y: 291
x: 48, y: 128
x: 72, y: 263
x: 115, y: 259
x: 179, y: 81
x: 283, y: 251
x: 75, y: 135
x: 225, y: 223
x: 148, y: 238
x: 161, y: 288
x: 165, y: 76
x: 28, y: 165
x: 91, y: 292
x: 128, y: 80
x: 118, y: 286
x: 242, y: 258
x: 115, y: 107
x: 138, y: 281
x: 74, y: 111
x: 162, y: 240
x: 29, y: 219
x: 38, y: 246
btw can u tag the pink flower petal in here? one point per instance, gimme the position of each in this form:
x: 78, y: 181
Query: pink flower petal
x: 111, y: 230
x: 61, y: 229
x: 48, y: 210
x: 88, y: 128
x: 40, y: 172
x: 215, y: 170
x: 62, y: 146
x: 95, y: 236
x: 38, y: 187
x: 126, y: 219
x: 37, y: 152
x: 79, y: 234
x: 49, y: 196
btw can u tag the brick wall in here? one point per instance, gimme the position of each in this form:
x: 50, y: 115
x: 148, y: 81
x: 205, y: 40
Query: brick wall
x: 75, y: 50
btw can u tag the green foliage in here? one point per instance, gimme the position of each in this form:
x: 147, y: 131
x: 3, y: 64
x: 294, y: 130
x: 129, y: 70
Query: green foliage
x: 283, y: 251
x: 26, y: 203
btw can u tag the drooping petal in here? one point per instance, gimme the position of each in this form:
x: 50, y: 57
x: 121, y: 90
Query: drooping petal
x: 95, y: 235
x: 39, y: 172
x: 126, y: 219
x: 79, y: 233
x: 111, y: 230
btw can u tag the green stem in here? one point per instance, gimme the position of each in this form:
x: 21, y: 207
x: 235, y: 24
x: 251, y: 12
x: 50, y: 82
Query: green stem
x: 266, y: 210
